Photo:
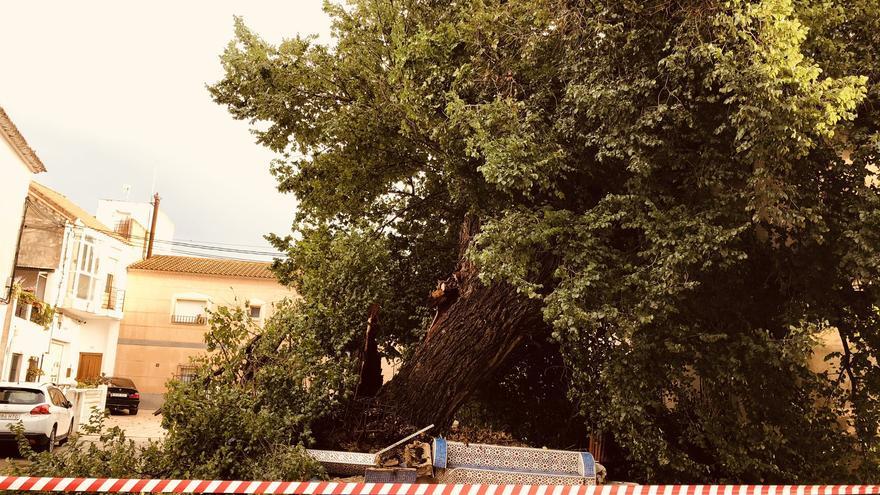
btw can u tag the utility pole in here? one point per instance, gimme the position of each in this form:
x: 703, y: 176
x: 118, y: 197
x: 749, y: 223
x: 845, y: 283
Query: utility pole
x: 153, y: 224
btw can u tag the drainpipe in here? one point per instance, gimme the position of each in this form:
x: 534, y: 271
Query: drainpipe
x: 153, y: 225
x: 10, y: 303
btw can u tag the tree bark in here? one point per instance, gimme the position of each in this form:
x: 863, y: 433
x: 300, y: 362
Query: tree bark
x: 371, y: 364
x: 475, y: 330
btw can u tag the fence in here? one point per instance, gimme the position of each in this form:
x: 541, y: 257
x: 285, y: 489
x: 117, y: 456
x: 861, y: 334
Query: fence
x: 188, y: 319
x: 112, y: 485
x: 84, y: 401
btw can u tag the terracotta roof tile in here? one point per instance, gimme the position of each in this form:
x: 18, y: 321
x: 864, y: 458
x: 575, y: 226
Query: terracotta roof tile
x: 8, y: 129
x: 205, y: 266
x: 69, y: 209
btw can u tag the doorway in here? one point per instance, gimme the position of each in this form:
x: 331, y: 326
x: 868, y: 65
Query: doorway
x: 15, y: 367
x: 89, y: 366
x: 56, y: 351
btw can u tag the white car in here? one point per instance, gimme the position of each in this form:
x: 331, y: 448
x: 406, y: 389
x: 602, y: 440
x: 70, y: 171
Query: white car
x: 42, y: 408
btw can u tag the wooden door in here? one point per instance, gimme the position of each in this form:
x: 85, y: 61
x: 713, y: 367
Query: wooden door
x: 89, y: 366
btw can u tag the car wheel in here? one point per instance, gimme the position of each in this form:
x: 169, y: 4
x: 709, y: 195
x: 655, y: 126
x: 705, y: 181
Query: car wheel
x: 133, y: 411
x: 49, y: 446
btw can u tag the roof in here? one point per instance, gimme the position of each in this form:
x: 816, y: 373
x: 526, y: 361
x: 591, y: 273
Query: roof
x: 68, y: 209
x: 205, y: 266
x: 8, y: 129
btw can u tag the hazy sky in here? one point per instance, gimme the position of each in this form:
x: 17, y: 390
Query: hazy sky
x: 108, y: 92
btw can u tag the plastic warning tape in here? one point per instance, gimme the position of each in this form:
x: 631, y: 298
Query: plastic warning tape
x: 113, y: 485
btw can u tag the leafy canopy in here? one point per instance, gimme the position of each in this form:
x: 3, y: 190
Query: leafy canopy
x: 698, y: 172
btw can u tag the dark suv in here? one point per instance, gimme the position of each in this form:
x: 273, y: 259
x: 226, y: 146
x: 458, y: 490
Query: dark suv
x: 122, y: 394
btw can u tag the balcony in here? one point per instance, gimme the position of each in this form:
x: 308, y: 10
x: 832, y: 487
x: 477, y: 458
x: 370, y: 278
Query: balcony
x: 188, y: 319
x: 106, y: 304
x: 123, y: 228
x: 31, y: 309
x: 113, y: 299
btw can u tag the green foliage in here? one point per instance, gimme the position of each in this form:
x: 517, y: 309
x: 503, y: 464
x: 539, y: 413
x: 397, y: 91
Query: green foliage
x: 255, y: 394
x: 108, y: 454
x: 699, y: 174
x: 41, y: 313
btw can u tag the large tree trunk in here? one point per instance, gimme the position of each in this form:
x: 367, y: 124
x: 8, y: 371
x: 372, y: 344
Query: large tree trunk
x: 476, y: 329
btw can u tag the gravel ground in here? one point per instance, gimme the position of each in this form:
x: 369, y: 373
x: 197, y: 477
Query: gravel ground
x: 142, y: 427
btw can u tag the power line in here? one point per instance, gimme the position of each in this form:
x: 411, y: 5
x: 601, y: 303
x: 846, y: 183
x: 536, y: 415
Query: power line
x: 200, y: 245
x: 173, y: 244
x: 191, y: 244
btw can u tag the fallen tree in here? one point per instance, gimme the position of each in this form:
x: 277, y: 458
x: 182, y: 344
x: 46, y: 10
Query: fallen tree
x: 679, y: 196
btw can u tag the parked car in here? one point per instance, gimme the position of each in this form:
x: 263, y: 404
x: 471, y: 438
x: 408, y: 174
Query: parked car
x: 42, y: 408
x: 122, y: 394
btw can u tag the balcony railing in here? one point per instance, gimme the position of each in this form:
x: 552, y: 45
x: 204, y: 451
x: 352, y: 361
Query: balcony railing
x: 113, y: 299
x: 123, y: 228
x: 188, y: 319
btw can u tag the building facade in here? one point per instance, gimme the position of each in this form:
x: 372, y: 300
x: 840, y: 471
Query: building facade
x: 71, y: 273
x: 166, y: 313
x: 18, y: 165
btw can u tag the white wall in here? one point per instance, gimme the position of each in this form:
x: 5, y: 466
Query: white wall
x: 89, y: 328
x: 13, y: 190
x: 29, y: 340
x: 99, y: 336
x: 73, y: 336
x: 110, y: 211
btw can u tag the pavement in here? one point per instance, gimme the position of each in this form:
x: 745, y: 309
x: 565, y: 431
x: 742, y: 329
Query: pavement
x: 140, y: 428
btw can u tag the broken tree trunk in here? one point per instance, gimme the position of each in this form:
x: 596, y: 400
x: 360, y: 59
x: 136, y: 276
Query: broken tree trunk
x: 371, y: 366
x: 475, y: 330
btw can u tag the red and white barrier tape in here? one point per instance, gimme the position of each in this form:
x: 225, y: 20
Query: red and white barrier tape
x: 113, y: 485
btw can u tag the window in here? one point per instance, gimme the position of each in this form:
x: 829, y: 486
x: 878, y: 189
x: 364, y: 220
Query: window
x: 121, y: 382
x: 186, y: 374
x: 33, y: 370
x: 42, y: 279
x: 189, y: 311
x: 255, y: 311
x: 57, y: 397
x: 10, y: 395
x: 86, y: 268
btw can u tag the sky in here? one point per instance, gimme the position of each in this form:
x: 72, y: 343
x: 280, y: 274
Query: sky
x: 112, y: 93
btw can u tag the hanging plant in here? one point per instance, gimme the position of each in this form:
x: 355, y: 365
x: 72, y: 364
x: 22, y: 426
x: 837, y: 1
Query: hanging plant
x: 41, y: 313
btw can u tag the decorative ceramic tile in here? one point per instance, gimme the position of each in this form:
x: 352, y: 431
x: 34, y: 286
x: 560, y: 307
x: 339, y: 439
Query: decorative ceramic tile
x: 500, y: 477
x: 390, y: 475
x: 481, y: 463
x: 337, y: 462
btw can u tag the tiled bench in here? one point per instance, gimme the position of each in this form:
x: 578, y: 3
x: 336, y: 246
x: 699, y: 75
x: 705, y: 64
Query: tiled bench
x: 479, y: 463
x: 347, y: 463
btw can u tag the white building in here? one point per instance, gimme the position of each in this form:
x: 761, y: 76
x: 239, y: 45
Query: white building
x: 18, y: 164
x: 132, y: 220
x: 71, y: 262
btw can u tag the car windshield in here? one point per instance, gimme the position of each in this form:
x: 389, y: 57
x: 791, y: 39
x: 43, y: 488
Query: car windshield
x: 121, y: 382
x: 20, y: 396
